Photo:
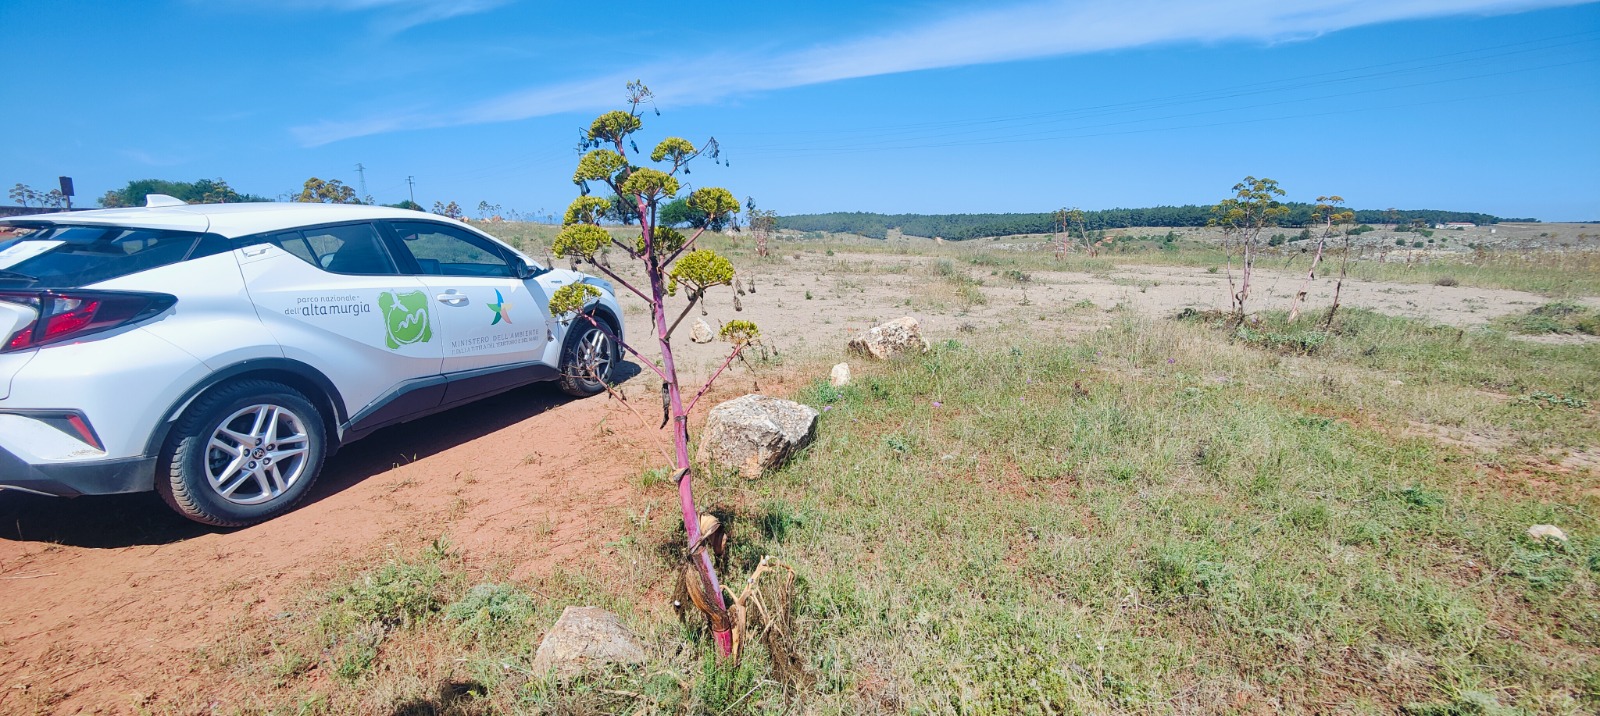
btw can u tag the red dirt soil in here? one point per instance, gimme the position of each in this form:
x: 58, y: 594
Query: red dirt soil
x: 107, y: 598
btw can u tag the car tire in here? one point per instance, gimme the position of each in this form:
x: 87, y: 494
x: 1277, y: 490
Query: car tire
x: 242, y: 453
x: 584, y: 345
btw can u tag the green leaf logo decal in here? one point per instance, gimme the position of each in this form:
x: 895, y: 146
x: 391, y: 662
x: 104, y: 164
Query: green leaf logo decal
x: 405, y: 318
x: 502, y: 309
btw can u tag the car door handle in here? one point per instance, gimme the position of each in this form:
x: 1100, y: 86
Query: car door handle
x: 451, y: 298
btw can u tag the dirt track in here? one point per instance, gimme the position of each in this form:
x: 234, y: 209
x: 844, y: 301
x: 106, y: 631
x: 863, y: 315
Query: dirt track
x: 109, y: 597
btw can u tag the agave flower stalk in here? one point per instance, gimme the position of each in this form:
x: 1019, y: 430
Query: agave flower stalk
x: 670, y: 262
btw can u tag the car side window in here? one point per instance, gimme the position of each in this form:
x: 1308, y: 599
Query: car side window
x: 447, y: 251
x: 295, y: 243
x: 72, y: 256
x: 350, y: 249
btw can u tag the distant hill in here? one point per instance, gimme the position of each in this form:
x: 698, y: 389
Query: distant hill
x: 957, y: 227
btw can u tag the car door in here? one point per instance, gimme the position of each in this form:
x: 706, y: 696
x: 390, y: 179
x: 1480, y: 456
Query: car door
x: 496, y: 327
x: 335, y: 299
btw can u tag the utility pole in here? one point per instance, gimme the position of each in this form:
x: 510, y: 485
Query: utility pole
x: 412, y: 184
x: 361, y: 171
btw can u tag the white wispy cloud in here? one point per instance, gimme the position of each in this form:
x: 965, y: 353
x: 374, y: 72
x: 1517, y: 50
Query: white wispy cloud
x: 392, y: 16
x: 1008, y: 33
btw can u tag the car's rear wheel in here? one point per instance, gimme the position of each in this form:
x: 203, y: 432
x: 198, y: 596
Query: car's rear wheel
x: 588, y: 358
x: 242, y: 453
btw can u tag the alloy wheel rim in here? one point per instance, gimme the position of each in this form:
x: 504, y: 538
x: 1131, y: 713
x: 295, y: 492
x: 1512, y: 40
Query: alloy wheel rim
x: 594, y: 355
x: 257, y: 454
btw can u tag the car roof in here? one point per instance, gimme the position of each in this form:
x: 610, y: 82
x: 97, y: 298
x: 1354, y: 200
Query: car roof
x: 228, y: 220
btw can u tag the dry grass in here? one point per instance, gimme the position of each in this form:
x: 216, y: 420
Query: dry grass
x: 1162, y: 518
x: 1157, y: 517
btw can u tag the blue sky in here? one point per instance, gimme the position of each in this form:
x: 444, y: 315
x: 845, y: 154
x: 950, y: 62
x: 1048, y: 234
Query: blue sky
x: 932, y: 106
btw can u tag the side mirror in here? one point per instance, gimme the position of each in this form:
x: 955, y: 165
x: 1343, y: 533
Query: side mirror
x: 523, y: 271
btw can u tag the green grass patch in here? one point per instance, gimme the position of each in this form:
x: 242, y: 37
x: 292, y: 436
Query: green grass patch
x: 1558, y: 317
x: 1158, y: 517
x: 1165, y: 518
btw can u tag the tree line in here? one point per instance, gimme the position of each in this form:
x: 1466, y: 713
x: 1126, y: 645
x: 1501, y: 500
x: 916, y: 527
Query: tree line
x: 202, y: 191
x: 958, y: 227
x: 954, y: 227
x: 218, y: 191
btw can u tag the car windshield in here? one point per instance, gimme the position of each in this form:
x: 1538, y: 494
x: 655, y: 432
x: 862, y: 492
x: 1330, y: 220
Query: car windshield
x: 75, y: 256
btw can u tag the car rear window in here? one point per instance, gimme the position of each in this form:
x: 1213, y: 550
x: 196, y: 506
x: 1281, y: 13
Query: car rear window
x: 75, y: 256
x: 348, y: 249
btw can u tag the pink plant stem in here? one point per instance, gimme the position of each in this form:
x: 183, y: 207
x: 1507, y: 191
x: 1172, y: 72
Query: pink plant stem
x: 629, y: 250
x: 618, y: 279
x: 713, y: 378
x: 1311, y: 273
x: 1337, y: 286
x: 1244, y: 277
x: 606, y: 330
x: 685, y: 246
x: 694, y: 298
x: 680, y: 420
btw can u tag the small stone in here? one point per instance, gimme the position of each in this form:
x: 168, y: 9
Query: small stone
x: 756, y: 433
x: 901, y: 336
x: 585, y: 638
x: 701, y: 332
x: 1539, y: 533
x: 840, y: 375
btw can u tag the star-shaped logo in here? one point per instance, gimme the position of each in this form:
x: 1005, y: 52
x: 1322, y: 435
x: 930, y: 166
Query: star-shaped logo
x: 502, y: 309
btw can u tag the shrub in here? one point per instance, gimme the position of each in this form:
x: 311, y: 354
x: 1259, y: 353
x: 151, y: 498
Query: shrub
x: 1421, y: 498
x: 1303, y: 342
x: 398, y: 594
x: 1542, y: 399
x: 1559, y: 309
x: 360, y: 614
x: 1183, y: 569
x: 490, y: 609
x: 1558, y: 317
x: 1446, y: 281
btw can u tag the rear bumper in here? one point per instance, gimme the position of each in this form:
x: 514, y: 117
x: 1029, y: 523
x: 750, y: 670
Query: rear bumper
x: 71, y: 479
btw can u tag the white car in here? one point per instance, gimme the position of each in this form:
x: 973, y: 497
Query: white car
x: 218, y: 354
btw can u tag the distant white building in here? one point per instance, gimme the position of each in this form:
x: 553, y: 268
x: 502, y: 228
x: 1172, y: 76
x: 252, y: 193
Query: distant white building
x: 1456, y: 225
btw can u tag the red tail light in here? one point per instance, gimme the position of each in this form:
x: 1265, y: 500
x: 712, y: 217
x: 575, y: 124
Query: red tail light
x: 72, y: 314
